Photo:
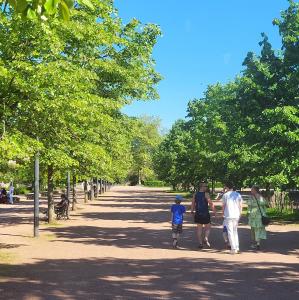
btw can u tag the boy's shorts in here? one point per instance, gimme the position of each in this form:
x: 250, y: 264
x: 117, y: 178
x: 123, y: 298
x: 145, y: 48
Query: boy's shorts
x: 177, y: 228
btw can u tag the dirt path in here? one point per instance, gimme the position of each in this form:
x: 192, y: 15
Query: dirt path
x: 119, y: 247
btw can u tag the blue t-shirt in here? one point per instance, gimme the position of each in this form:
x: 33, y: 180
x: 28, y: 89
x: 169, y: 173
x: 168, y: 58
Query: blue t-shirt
x: 177, y: 213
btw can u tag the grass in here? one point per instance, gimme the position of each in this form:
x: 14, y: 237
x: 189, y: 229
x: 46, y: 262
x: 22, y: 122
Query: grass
x: 52, y: 224
x: 284, y: 216
x: 182, y: 193
x: 6, y: 257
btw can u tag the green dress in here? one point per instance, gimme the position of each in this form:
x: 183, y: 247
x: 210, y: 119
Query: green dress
x: 255, y: 218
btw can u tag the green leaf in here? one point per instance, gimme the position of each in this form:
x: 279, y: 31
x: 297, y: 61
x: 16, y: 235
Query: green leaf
x: 86, y: 3
x: 51, y: 6
x: 21, y: 5
x: 64, y: 10
x: 31, y: 14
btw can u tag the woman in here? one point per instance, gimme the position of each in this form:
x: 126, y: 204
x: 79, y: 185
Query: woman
x: 256, y: 208
x: 200, y: 203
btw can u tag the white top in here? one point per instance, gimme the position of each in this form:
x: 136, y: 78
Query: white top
x: 232, y: 201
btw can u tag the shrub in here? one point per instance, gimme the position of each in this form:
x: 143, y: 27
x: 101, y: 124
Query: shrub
x: 154, y: 183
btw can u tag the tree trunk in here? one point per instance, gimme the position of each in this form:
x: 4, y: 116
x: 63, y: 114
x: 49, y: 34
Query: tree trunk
x: 74, y: 204
x: 91, y: 191
x: 85, y: 192
x: 101, y: 186
x: 50, y: 194
x: 97, y: 188
x: 139, y: 177
x: 213, y: 186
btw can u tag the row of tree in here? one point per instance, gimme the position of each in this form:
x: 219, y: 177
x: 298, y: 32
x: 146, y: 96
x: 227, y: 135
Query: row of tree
x: 247, y: 130
x: 62, y: 87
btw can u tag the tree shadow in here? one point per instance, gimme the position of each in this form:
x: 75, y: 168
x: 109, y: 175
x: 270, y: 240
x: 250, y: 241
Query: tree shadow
x: 179, y: 278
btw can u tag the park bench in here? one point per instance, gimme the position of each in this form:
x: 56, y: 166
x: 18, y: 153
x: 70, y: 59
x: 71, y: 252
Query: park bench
x: 62, y: 211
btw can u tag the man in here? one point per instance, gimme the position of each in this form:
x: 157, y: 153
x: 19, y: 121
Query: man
x: 200, y: 202
x: 231, y: 210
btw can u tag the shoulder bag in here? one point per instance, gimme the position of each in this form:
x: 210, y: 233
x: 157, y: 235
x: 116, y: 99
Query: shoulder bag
x: 265, y: 220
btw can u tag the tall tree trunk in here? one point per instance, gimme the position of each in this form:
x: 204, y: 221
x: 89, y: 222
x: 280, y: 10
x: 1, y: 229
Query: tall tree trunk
x: 139, y: 177
x: 74, y: 204
x: 91, y: 190
x: 97, y: 188
x: 213, y: 186
x: 50, y: 194
x: 85, y: 191
x: 101, y: 186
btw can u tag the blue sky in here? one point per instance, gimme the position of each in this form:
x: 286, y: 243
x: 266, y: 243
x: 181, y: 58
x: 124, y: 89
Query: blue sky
x: 203, y: 42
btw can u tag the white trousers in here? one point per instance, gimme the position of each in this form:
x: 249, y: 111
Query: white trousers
x: 232, y: 232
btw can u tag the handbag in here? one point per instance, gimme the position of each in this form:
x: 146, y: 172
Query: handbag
x: 265, y: 220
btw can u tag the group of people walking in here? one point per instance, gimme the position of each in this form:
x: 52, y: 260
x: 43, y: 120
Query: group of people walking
x: 232, y: 204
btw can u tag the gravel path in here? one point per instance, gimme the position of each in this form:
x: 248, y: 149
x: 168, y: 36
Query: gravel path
x: 119, y: 247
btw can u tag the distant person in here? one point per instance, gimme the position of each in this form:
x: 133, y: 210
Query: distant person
x: 62, y: 202
x: 200, y: 203
x: 177, y: 214
x: 10, y: 193
x: 3, y: 195
x: 256, y: 208
x: 232, y: 209
x: 224, y: 230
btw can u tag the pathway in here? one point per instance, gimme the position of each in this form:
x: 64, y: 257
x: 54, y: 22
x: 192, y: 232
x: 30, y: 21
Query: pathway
x: 119, y: 247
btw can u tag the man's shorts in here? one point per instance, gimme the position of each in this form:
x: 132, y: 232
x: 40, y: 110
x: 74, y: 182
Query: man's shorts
x: 177, y: 228
x: 202, y: 219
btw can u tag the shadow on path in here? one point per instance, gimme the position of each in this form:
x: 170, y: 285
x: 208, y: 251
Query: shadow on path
x: 149, y: 279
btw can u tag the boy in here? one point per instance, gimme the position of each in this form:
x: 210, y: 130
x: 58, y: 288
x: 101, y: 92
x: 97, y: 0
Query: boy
x: 177, y: 211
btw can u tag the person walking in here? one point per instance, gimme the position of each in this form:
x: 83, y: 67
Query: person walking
x: 200, y: 203
x: 256, y: 208
x: 231, y: 210
x: 177, y: 213
x: 11, y: 192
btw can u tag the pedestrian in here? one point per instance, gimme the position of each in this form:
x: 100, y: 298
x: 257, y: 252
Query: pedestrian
x: 224, y: 229
x: 256, y: 208
x: 232, y: 210
x: 200, y: 203
x: 10, y: 193
x: 177, y: 214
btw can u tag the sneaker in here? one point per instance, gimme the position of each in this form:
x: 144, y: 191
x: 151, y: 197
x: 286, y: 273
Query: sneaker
x: 253, y: 246
x: 175, y: 243
x: 206, y: 242
x: 200, y: 246
x: 227, y: 246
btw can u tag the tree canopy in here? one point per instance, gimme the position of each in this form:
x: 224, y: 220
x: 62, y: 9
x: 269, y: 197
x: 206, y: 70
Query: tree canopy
x: 247, y: 130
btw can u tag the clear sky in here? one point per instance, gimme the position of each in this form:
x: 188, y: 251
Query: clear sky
x: 204, y: 42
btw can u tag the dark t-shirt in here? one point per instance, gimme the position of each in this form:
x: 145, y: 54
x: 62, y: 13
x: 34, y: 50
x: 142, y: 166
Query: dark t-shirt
x: 201, y: 204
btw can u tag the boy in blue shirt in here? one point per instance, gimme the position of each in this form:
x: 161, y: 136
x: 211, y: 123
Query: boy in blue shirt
x: 177, y: 211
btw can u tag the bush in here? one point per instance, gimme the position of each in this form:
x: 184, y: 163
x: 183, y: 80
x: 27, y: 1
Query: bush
x: 154, y: 183
x: 21, y: 190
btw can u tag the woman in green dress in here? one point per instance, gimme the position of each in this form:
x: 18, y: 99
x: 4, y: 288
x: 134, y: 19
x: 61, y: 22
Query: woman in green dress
x: 258, y: 231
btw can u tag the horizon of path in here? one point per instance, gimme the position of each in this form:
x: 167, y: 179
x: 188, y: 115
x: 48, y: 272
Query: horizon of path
x: 119, y: 247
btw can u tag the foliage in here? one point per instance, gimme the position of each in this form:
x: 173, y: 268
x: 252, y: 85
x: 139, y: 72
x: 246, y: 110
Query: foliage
x: 145, y: 140
x: 154, y: 183
x: 245, y: 131
x: 62, y: 87
x: 285, y: 215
